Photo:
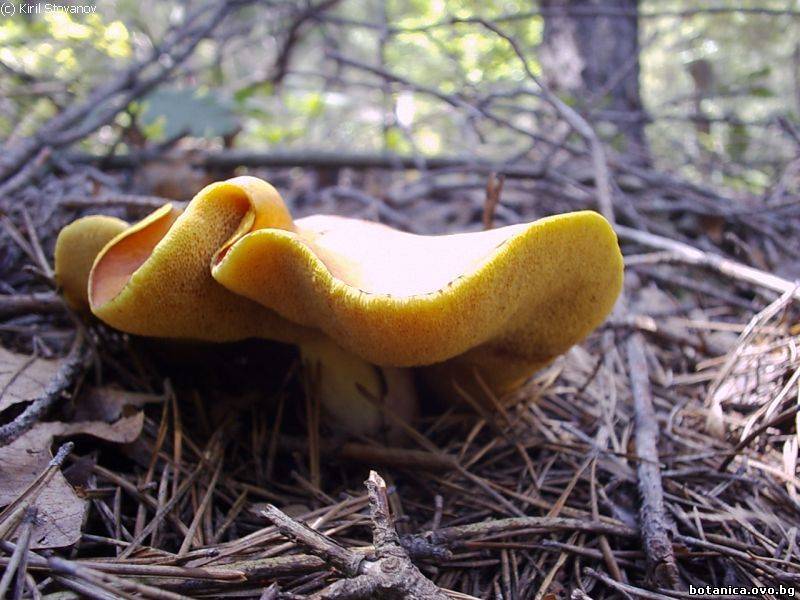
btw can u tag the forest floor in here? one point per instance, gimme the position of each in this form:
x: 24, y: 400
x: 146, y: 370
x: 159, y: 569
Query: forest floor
x: 659, y: 454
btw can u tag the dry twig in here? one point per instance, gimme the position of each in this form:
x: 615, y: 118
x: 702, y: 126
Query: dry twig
x: 389, y: 574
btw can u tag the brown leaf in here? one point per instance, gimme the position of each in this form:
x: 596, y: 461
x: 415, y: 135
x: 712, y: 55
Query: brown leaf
x: 23, y: 378
x: 60, y: 510
x: 108, y: 404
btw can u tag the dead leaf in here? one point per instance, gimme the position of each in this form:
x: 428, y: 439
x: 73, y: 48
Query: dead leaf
x: 108, y: 404
x: 652, y: 300
x: 23, y: 378
x: 60, y: 510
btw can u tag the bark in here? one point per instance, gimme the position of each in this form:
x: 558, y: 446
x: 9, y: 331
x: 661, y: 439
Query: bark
x: 594, y: 58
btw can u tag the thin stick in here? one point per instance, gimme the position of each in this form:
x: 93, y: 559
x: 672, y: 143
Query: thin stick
x: 110, y: 582
x: 694, y: 256
x: 201, y: 510
x: 451, y: 535
x: 605, y: 547
x: 16, y: 565
x: 494, y: 188
x: 655, y: 537
x: 622, y: 587
x: 162, y: 512
x: 36, y: 246
x: 141, y: 511
x: 331, y: 552
x: 39, y: 303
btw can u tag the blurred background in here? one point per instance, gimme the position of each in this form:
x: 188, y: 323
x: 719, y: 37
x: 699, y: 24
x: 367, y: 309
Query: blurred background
x: 710, y: 90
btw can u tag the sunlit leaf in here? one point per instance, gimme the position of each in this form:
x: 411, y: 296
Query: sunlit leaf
x: 261, y: 88
x: 761, y: 91
x: 179, y: 111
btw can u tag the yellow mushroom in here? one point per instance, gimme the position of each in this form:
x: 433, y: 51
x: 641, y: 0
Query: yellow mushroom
x: 154, y: 279
x: 504, y: 302
x: 355, y: 294
x: 78, y: 245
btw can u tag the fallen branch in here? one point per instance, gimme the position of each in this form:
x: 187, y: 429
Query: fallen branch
x: 452, y: 536
x: 27, y: 172
x: 109, y: 582
x: 389, y: 574
x: 24, y: 304
x: 694, y: 256
x: 228, y: 159
x: 661, y: 566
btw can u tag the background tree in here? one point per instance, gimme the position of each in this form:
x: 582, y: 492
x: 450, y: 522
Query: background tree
x: 590, y: 54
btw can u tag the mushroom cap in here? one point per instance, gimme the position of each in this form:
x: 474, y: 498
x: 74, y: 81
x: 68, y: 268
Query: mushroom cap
x: 234, y: 265
x: 511, y: 298
x: 77, y: 245
x: 154, y: 278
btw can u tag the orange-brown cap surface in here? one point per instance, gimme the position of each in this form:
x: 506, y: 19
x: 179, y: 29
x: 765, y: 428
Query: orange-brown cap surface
x: 154, y: 278
x: 235, y: 265
x: 518, y: 295
x: 77, y: 246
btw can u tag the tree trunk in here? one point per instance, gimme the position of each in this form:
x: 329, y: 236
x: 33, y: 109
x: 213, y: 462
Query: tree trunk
x: 590, y: 52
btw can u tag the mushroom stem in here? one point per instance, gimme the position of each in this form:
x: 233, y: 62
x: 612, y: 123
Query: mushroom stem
x: 352, y: 390
x: 477, y: 374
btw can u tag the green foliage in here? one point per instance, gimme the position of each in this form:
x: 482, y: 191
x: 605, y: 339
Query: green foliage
x: 171, y: 112
x: 243, y: 94
x: 395, y: 141
x: 738, y: 141
x: 762, y: 91
x: 440, y: 47
x: 68, y: 53
x: 752, y: 59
